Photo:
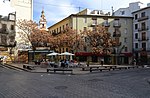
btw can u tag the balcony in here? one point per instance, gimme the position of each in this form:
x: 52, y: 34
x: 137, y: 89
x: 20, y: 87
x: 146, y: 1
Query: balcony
x: 143, y: 39
x: 143, y: 29
x: 117, y: 33
x: 92, y: 24
x: 137, y: 49
x: 117, y: 44
x: 117, y: 25
x: 143, y: 18
x: 3, y: 31
x: 106, y: 24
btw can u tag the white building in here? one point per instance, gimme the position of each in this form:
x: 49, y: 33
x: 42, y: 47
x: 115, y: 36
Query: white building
x: 127, y: 11
x: 141, y: 34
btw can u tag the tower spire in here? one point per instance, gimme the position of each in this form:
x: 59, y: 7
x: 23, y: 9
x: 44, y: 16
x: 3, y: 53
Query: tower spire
x: 42, y: 21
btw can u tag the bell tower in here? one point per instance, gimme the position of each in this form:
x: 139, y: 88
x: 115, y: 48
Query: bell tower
x: 42, y: 22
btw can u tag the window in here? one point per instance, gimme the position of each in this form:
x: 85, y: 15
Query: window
x: 12, y: 27
x: 94, y: 28
x: 116, y: 22
x: 42, y: 25
x: 94, y: 21
x: 4, y: 27
x: 143, y: 35
x: 60, y: 29
x: 136, y: 35
x: 125, y: 31
x: 4, y: 39
x: 136, y: 16
x: 85, y: 20
x: 66, y: 49
x: 84, y: 29
x: 126, y: 49
x: 57, y: 30
x: 143, y: 25
x: 136, y: 26
x: 63, y: 27
x: 12, y: 38
x: 136, y: 45
x: 67, y: 25
x: 143, y: 14
x: 144, y: 46
x: 125, y: 40
x: 122, y: 12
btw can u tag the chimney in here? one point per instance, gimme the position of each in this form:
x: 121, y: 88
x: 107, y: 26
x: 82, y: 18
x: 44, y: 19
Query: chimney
x: 148, y: 4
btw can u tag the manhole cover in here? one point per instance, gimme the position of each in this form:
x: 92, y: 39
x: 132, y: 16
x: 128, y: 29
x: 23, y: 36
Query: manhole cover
x: 95, y: 80
x: 61, y: 87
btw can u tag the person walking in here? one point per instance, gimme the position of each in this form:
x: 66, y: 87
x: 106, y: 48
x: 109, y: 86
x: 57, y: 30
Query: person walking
x: 134, y: 62
x: 102, y: 62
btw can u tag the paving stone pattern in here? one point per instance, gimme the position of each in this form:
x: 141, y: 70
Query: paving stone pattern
x: 132, y: 83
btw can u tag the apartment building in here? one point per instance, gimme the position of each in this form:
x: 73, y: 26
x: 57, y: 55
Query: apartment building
x: 7, y: 34
x: 141, y: 34
x: 120, y: 28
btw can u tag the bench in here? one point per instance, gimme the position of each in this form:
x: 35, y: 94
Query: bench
x: 60, y: 69
x: 28, y: 66
x: 93, y: 68
x: 101, y: 68
x: 111, y: 67
x: 122, y: 67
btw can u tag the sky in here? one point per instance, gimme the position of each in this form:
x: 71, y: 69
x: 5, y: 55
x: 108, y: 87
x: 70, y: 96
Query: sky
x: 56, y: 10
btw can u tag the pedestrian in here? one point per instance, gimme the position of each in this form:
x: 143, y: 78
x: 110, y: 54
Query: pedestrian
x: 102, y: 62
x: 134, y: 62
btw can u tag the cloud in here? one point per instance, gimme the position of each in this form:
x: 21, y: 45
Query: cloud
x: 56, y: 10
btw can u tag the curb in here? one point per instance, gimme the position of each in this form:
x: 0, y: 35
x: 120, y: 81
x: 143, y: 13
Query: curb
x: 14, y: 67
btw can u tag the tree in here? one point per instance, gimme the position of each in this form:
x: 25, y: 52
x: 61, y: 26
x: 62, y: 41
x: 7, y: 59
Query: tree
x: 99, y: 40
x: 66, y: 38
x: 30, y: 33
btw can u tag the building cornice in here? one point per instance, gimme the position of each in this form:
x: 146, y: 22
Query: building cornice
x: 141, y: 9
x: 98, y: 16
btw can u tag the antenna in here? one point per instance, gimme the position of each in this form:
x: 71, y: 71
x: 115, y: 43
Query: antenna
x: 112, y: 11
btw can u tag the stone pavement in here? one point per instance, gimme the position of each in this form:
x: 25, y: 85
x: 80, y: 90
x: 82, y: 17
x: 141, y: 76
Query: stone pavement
x: 132, y: 83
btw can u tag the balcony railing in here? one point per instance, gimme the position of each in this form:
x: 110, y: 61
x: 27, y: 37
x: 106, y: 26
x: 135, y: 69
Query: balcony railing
x: 4, y: 31
x: 117, y: 25
x: 117, y: 44
x: 143, y: 18
x: 106, y: 24
x: 143, y: 29
x: 143, y: 39
x: 117, y: 34
x: 93, y: 24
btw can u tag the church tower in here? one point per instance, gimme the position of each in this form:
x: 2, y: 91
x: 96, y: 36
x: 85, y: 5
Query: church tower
x: 42, y: 22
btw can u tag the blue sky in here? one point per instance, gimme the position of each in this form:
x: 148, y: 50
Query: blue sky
x: 56, y: 10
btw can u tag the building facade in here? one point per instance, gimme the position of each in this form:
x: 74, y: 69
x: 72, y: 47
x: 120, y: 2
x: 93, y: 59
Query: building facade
x: 7, y: 34
x: 23, y: 8
x: 141, y: 34
x: 120, y: 28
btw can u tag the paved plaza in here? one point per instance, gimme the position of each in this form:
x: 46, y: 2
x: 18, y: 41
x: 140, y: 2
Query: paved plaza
x: 131, y: 83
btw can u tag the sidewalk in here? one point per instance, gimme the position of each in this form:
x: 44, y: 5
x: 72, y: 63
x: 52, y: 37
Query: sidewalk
x: 39, y: 69
x: 44, y: 70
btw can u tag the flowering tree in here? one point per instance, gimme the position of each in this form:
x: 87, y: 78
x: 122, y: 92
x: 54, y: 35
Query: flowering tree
x: 99, y: 40
x: 30, y: 33
x: 66, y: 38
